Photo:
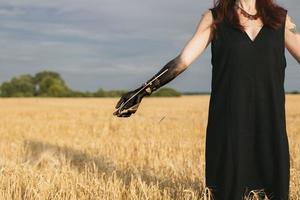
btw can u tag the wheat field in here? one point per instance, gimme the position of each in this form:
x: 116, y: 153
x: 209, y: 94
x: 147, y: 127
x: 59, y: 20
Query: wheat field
x: 56, y: 148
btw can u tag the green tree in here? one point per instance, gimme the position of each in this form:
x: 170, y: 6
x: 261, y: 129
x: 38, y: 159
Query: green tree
x: 41, y: 75
x: 166, y: 92
x: 6, y: 89
x: 22, y: 86
x: 57, y: 90
x: 100, y: 93
x: 50, y: 84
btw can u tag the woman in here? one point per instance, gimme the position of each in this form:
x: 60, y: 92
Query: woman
x: 246, y: 141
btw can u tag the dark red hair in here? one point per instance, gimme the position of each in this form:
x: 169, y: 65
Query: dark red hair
x: 272, y: 15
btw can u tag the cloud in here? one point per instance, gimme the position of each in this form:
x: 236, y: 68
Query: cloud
x: 11, y: 12
x: 104, y: 43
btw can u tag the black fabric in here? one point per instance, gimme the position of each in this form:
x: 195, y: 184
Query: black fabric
x: 246, y: 139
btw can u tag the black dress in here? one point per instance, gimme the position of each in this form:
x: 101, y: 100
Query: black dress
x: 246, y: 139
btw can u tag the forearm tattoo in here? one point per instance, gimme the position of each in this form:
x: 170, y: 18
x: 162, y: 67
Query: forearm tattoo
x: 175, y: 67
x: 294, y: 28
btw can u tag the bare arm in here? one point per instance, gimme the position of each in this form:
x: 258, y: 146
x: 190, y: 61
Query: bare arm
x: 200, y: 40
x: 129, y: 102
x: 292, y: 38
x: 193, y: 49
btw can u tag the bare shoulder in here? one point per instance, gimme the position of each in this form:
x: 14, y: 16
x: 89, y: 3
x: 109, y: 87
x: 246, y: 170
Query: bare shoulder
x: 207, y: 17
x: 290, y: 24
x: 207, y: 14
x: 206, y: 20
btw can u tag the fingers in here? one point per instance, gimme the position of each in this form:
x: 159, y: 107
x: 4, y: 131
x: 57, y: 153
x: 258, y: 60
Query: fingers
x: 123, y: 99
x: 116, y: 112
x: 125, y: 115
x: 120, y: 102
x: 133, y: 108
x: 126, y: 112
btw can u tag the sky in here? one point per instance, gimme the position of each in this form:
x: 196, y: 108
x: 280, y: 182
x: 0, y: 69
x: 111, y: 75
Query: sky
x: 110, y: 44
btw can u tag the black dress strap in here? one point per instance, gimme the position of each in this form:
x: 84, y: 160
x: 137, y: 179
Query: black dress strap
x: 282, y: 38
x: 283, y: 24
x: 213, y: 11
x: 286, y: 11
x: 214, y: 14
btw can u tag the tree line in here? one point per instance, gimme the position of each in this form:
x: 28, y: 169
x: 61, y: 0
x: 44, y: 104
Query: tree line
x: 51, y: 84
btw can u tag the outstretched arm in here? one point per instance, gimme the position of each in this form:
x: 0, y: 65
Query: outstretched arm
x: 292, y: 38
x: 193, y: 49
x: 130, y: 101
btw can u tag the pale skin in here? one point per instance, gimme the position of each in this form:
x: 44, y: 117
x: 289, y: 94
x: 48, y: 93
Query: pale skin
x: 204, y: 31
x: 199, y: 42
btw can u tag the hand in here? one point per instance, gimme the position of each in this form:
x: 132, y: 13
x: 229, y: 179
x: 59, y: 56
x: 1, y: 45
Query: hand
x: 131, y: 106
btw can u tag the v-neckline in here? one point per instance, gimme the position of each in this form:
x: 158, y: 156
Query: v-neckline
x: 257, y: 35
